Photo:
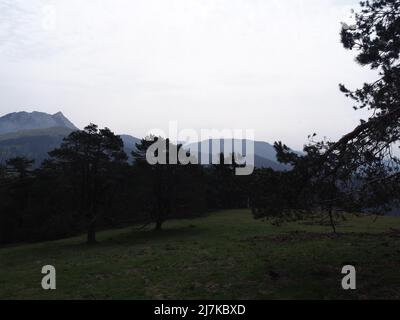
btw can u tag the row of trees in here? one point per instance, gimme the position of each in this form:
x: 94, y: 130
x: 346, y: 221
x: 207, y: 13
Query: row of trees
x: 88, y: 183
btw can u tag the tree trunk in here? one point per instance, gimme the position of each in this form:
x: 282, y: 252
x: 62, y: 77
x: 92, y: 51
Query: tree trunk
x: 158, y: 226
x: 91, y: 232
x: 331, y: 220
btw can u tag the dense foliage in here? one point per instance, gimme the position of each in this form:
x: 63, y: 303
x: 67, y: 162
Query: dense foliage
x: 88, y: 183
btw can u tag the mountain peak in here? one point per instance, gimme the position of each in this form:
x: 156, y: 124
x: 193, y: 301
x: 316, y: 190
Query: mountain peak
x: 63, y: 121
x: 17, y: 121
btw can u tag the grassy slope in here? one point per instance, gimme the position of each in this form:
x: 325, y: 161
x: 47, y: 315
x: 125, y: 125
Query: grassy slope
x: 225, y: 255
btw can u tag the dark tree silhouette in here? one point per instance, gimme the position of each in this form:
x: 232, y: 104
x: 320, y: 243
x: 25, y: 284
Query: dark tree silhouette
x: 360, y: 170
x: 3, y: 172
x: 375, y: 36
x: 224, y: 188
x: 369, y: 149
x: 308, y: 189
x: 160, y: 180
x: 88, y: 158
x: 20, y: 166
x: 168, y: 189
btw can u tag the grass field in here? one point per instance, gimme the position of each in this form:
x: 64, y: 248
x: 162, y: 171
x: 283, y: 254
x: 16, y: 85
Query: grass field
x: 226, y: 255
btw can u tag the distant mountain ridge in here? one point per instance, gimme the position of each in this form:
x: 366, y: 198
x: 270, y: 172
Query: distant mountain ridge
x: 19, y: 121
x: 34, y: 134
x: 264, y: 153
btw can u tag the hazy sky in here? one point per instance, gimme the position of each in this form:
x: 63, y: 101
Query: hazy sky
x: 132, y: 65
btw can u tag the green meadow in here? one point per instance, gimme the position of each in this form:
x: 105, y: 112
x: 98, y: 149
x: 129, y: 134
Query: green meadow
x: 224, y: 255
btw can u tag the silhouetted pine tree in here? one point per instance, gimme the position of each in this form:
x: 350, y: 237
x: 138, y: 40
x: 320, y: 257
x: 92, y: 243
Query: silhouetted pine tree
x: 89, y: 159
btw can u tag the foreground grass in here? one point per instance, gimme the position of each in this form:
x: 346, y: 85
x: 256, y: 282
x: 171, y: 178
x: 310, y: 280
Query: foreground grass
x: 226, y: 255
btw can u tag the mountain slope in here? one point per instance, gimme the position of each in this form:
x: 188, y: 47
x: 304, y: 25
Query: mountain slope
x: 129, y: 141
x: 53, y: 131
x: 32, y: 134
x: 264, y: 153
x: 20, y: 121
x: 33, y: 144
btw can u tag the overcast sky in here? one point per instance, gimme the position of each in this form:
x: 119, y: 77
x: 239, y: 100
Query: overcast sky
x: 133, y: 65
